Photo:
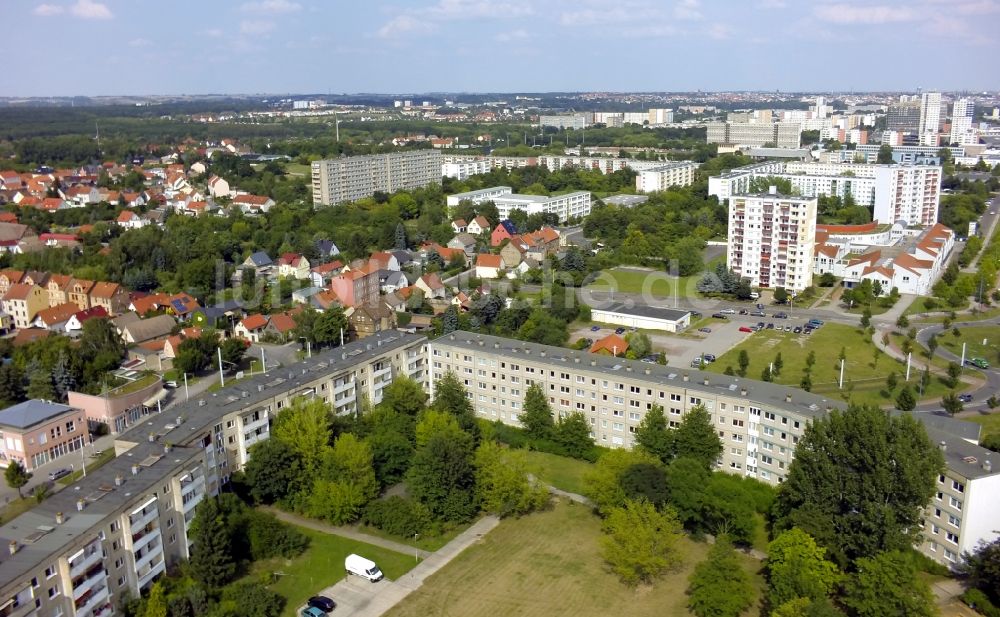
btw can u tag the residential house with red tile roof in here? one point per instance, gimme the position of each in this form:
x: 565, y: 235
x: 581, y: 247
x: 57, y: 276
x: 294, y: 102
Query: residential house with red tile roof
x: 478, y: 225
x: 431, y: 285
x: 610, y: 345
x: 23, y: 302
x: 54, y: 318
x: 293, y: 265
x: 251, y: 327
x: 58, y: 288
x: 321, y: 274
x: 131, y: 220
x: 111, y: 296
x: 459, y: 226
x: 253, y: 204
x: 75, y: 323
x: 384, y: 261
x: 488, y: 266
x: 280, y: 325
x: 79, y: 293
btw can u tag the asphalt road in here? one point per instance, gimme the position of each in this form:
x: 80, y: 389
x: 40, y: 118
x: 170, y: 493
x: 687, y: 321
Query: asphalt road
x: 988, y: 389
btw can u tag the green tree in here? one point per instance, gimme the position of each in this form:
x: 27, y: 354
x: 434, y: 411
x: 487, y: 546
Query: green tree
x: 766, y: 374
x: 449, y: 321
x: 810, y: 360
x: 233, y: 350
x: 536, y: 417
x: 442, y: 477
x: 954, y: 372
x: 502, y: 483
x: 604, y: 482
x: 450, y: 396
x: 780, y: 295
x: 866, y: 318
x: 16, y: 476
x: 433, y: 422
x: 572, y: 432
x: 806, y: 383
x: 859, y: 481
x: 982, y: 567
x: 639, y: 344
x: 687, y: 479
x: 778, y: 363
x: 719, y: 586
x: 329, y: 326
x: 744, y: 362
x: 273, y: 471
x: 40, y: 386
x: 305, y: 428
x: 654, y: 435
x: 347, y: 482
x: 905, y: 401
x: 212, y: 563
x: 888, y: 584
x: 932, y: 344
x: 404, y: 396
x: 884, y: 155
x: 796, y: 567
x: 156, y: 603
x: 391, y: 439
x: 696, y: 437
x: 544, y: 328
x: 951, y: 403
x: 639, y: 542
x: 249, y: 599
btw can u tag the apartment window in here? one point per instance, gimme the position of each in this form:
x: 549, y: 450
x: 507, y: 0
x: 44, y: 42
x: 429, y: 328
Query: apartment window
x: 954, y: 520
x: 953, y: 538
x: 941, y: 478
x: 119, y: 562
x: 675, y: 397
x: 121, y: 581
x: 949, y: 555
x: 955, y: 503
x: 958, y: 486
x: 50, y: 571
x: 53, y: 592
x: 694, y: 400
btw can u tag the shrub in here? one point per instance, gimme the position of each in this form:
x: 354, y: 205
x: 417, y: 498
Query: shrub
x: 269, y: 537
x: 397, y: 516
x: 978, y: 600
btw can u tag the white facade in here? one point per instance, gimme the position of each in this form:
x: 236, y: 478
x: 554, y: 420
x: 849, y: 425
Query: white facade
x: 566, y: 206
x: 780, y: 134
x: 910, y: 193
x: 643, y: 317
x: 461, y: 170
x: 962, y: 133
x: 661, y: 178
x: 772, y: 239
x: 350, y: 178
x: 930, y: 118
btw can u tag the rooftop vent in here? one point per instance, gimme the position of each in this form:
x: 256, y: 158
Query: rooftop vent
x: 743, y: 391
x: 788, y: 398
x: 119, y: 480
x: 943, y: 446
x: 60, y: 517
x: 496, y: 345
x: 686, y: 377
x: 179, y: 421
x: 201, y: 402
x: 705, y: 381
x: 80, y: 504
x: 987, y: 466
x: 135, y: 470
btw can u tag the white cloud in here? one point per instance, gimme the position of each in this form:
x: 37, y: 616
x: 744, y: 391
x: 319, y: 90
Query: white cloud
x: 88, y: 9
x: 250, y: 26
x: 688, y: 10
x: 425, y: 19
x: 47, y: 10
x: 720, y: 32
x: 405, y: 24
x: 140, y: 42
x: 513, y: 35
x: 272, y: 6
x: 849, y: 14
x: 215, y: 33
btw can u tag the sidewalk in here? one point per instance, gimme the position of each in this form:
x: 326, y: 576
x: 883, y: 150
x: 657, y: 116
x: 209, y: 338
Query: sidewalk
x: 348, y: 532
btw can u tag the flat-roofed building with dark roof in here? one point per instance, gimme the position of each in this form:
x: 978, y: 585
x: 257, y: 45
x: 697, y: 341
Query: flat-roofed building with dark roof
x: 642, y: 317
x: 35, y: 432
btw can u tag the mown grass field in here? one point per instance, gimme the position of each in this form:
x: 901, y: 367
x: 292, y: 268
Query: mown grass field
x: 561, y: 472
x: 864, y: 376
x: 973, y: 338
x: 322, y: 565
x: 548, y: 564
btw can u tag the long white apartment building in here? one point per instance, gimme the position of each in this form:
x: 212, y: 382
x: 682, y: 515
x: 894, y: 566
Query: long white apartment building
x: 651, y: 175
x: 779, y: 134
x: 909, y: 193
x: 566, y: 206
x: 112, y: 533
x: 350, y: 178
x: 772, y: 239
x: 759, y: 423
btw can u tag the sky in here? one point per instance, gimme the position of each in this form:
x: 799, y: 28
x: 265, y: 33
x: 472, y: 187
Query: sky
x: 119, y: 47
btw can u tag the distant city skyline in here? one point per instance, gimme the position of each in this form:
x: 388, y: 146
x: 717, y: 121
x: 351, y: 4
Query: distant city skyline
x: 115, y: 47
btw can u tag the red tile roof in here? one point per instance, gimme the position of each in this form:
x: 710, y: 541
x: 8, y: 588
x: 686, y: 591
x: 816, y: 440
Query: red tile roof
x: 611, y: 343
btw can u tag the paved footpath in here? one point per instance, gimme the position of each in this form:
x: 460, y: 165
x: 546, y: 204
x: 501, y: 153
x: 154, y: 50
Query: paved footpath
x: 346, y: 532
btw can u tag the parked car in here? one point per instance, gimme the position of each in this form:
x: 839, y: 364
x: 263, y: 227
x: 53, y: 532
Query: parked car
x: 728, y: 311
x: 980, y: 363
x: 754, y: 295
x: 760, y: 325
x: 781, y: 315
x: 719, y: 316
x: 746, y: 329
x: 797, y: 329
x: 807, y: 330
x: 365, y: 568
x: 170, y: 384
x: 770, y: 325
x: 760, y: 307
x: 695, y: 314
x: 744, y: 312
x: 323, y: 603
x: 815, y: 323
x: 595, y: 328
x: 619, y: 330
x: 788, y: 328
x: 312, y: 611
x: 59, y: 473
x: 758, y: 314
x: 708, y: 357
x: 696, y: 363
x: 965, y: 398
x: 706, y: 330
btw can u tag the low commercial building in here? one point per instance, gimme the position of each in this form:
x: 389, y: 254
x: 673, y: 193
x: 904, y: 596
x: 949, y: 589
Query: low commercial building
x: 642, y: 317
x: 35, y: 432
x: 566, y: 206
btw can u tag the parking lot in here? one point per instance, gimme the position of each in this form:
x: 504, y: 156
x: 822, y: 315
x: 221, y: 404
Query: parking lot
x: 683, y: 348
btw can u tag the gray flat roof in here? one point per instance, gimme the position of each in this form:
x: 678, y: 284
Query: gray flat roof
x: 29, y: 413
x: 626, y: 200
x: 643, y: 310
x: 963, y: 457
x: 764, y: 393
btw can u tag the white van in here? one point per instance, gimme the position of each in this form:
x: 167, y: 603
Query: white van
x: 365, y: 568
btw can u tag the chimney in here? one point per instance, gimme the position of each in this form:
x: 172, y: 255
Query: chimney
x: 743, y: 391
x: 80, y: 503
x: 60, y: 518
x: 593, y: 363
x: 119, y: 480
x: 179, y: 421
x: 648, y: 371
x: 496, y: 345
x: 13, y: 547
x: 943, y: 445
x: 152, y: 438
x: 135, y: 470
x: 987, y: 466
x: 705, y: 381
x: 788, y: 398
x: 542, y: 353
x: 686, y: 377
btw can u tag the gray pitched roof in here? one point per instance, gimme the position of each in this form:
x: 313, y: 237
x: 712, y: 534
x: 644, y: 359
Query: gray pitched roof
x: 259, y: 259
x: 148, y: 329
x: 29, y: 413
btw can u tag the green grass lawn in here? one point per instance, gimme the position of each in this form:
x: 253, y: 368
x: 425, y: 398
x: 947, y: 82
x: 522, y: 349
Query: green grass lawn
x: 546, y: 564
x: 990, y: 422
x: 133, y: 386
x: 653, y: 281
x: 919, y: 306
x: 561, y: 472
x: 322, y: 565
x: 973, y: 338
x: 425, y: 541
x: 861, y: 371
x: 298, y: 168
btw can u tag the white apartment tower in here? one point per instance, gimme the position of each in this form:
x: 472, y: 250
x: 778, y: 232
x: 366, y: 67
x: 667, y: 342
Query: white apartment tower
x: 350, y: 178
x: 772, y: 239
x: 962, y: 114
x: 930, y: 118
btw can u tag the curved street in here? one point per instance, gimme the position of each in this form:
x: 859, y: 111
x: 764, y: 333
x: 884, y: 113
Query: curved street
x: 991, y: 386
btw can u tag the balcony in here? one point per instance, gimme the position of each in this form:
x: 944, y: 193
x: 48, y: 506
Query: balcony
x: 252, y: 425
x: 89, y: 556
x: 138, y: 522
x: 83, y: 587
x: 96, y: 599
x: 140, y: 542
x: 147, y: 574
